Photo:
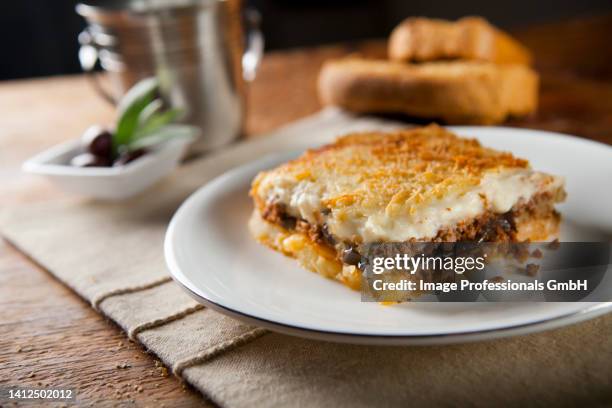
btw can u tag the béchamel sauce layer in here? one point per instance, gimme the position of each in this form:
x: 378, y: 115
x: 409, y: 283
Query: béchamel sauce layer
x: 398, y: 186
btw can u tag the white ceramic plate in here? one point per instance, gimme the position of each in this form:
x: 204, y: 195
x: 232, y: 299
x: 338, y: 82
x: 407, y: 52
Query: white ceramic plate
x: 210, y: 253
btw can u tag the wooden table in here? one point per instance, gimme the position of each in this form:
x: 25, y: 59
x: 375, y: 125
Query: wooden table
x: 50, y: 337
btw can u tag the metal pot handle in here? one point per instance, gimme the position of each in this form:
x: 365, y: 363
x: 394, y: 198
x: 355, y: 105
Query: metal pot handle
x: 88, y: 56
x: 255, y: 45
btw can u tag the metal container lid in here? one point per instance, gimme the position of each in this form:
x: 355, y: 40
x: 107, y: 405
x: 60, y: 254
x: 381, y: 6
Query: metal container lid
x: 95, y: 7
x: 131, y: 27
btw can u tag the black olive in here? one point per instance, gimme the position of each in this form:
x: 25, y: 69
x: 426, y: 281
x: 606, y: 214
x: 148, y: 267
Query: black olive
x: 129, y: 156
x: 98, y: 141
x: 89, y: 160
x: 350, y: 256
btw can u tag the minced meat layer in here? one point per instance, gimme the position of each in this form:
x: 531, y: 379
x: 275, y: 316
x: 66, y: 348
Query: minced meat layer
x: 488, y: 227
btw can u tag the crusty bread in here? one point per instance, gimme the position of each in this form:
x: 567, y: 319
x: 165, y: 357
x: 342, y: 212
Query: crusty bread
x: 458, y: 92
x: 471, y: 38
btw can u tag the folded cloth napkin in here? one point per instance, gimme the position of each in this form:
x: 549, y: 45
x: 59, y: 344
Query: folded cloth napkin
x: 111, y: 254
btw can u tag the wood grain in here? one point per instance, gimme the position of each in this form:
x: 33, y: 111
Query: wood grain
x: 50, y: 336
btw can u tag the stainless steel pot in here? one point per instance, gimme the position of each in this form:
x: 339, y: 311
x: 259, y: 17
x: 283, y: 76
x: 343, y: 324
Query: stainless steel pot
x: 195, y: 48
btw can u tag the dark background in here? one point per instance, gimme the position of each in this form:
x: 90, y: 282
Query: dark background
x: 39, y: 37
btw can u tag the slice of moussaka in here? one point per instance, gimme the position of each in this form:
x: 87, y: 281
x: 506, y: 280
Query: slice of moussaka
x: 419, y: 185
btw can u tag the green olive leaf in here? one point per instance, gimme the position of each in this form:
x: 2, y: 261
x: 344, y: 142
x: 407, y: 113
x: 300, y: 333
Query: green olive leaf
x: 130, y: 108
x: 162, y: 134
x: 156, y: 121
x: 144, y: 120
x: 151, y: 109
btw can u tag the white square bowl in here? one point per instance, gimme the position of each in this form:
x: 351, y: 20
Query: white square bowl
x: 107, y: 183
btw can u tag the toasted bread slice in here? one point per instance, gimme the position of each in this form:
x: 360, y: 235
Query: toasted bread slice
x: 471, y: 38
x: 458, y: 92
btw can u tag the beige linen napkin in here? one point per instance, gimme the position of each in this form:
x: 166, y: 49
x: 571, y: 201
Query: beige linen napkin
x: 111, y: 255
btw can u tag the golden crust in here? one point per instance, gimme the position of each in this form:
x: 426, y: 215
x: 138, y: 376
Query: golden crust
x: 471, y: 38
x: 397, y: 171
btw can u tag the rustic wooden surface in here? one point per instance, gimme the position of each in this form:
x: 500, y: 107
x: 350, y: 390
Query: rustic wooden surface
x: 50, y: 337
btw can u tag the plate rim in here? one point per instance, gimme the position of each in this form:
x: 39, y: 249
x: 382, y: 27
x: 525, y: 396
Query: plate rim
x: 587, y: 313
x: 595, y: 309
